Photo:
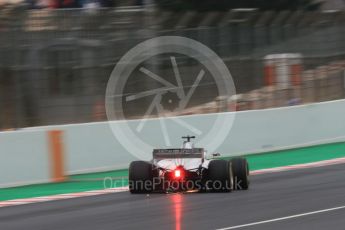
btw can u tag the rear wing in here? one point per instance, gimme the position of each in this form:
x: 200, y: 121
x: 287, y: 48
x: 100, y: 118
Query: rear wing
x: 178, y: 153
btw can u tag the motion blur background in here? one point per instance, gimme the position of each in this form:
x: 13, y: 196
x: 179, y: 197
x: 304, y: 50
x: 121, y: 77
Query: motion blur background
x: 56, y: 56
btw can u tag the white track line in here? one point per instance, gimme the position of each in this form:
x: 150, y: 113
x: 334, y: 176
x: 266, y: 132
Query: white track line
x: 282, y: 218
x: 60, y: 197
x: 124, y: 189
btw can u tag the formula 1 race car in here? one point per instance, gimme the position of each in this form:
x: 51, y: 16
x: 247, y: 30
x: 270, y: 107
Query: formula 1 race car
x: 185, y: 169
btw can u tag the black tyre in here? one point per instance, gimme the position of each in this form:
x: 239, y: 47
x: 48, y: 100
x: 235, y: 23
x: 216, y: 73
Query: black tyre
x: 240, y: 172
x: 219, y: 176
x: 140, y: 177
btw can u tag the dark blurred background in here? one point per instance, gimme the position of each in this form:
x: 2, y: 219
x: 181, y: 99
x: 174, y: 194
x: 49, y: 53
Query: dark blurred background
x: 56, y: 56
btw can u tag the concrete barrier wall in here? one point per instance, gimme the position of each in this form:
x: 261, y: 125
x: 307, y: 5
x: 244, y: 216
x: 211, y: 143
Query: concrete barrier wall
x: 24, y: 158
x: 92, y: 147
x: 288, y: 127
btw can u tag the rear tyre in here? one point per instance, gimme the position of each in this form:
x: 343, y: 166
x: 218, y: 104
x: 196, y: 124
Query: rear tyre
x: 219, y: 176
x: 140, y: 177
x: 240, y: 172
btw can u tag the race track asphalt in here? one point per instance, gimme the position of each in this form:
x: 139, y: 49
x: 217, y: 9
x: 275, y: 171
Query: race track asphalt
x: 271, y: 196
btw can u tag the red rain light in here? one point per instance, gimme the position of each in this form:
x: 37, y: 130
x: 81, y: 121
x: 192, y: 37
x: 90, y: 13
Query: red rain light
x: 177, y: 173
